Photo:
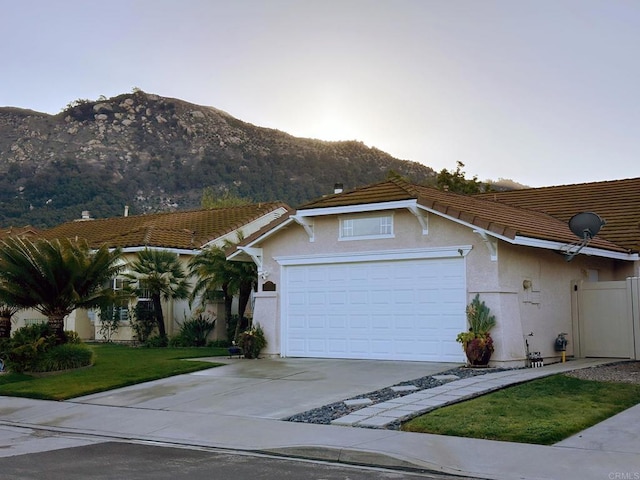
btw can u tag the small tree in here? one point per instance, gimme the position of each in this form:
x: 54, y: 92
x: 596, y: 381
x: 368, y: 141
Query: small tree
x: 214, y: 272
x: 56, y: 277
x: 456, y: 181
x: 159, y: 274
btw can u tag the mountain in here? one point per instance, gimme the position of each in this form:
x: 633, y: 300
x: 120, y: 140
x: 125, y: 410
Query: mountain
x: 154, y: 153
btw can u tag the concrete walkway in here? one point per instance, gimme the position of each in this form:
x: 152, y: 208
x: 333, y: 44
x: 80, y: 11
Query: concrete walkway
x: 607, y: 451
x: 381, y: 415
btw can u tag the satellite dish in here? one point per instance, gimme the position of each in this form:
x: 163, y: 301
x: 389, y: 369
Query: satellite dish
x: 585, y: 226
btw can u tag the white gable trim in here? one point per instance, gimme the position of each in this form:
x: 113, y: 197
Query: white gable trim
x: 365, y: 207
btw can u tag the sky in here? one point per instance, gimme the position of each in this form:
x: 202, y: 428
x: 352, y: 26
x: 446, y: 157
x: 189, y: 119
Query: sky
x: 543, y: 92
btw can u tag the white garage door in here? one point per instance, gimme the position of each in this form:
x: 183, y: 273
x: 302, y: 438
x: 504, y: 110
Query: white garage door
x: 387, y: 310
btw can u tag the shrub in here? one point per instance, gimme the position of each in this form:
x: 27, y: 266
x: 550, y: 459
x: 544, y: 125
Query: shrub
x: 156, y: 342
x: 252, y: 341
x: 27, y: 344
x: 194, y: 332
x: 143, y: 321
x: 71, y: 336
x: 231, y: 326
x: 479, y: 316
x: 63, y: 357
x: 35, y: 348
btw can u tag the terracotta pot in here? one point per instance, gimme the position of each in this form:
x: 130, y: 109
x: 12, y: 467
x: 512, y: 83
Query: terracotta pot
x: 477, y: 355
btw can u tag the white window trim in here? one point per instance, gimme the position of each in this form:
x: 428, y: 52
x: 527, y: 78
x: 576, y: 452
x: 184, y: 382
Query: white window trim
x: 371, y: 215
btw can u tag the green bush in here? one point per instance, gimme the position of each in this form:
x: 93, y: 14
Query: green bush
x: 193, y: 332
x: 63, y: 357
x: 143, y: 321
x: 156, y: 342
x: 252, y: 341
x: 219, y: 343
x: 71, y: 336
x: 231, y: 326
x: 27, y: 344
x: 35, y: 348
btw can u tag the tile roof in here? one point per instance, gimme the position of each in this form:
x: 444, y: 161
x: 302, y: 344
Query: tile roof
x: 617, y: 202
x: 499, y: 218
x: 182, y: 230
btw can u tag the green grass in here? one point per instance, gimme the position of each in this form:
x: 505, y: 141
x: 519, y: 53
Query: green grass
x: 115, y: 366
x: 542, y: 411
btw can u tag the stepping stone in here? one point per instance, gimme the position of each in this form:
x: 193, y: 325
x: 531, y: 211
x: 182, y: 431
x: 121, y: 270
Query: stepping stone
x: 445, y: 377
x: 356, y: 402
x: 404, y: 388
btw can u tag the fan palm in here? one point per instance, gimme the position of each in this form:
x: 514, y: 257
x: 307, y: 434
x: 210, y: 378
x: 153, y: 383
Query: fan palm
x: 160, y: 273
x: 55, y: 277
x: 215, y: 273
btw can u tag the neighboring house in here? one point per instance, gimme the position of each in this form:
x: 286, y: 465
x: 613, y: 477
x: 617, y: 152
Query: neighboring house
x: 386, y: 272
x: 184, y: 233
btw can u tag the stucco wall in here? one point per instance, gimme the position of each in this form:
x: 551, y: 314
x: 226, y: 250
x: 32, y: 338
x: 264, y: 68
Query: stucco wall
x: 535, y: 294
x: 293, y: 241
x: 543, y: 307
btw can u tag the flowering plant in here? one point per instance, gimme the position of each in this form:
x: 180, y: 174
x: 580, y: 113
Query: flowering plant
x: 252, y: 341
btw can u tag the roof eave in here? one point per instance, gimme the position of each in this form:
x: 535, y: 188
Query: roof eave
x: 562, y: 247
x: 239, y: 254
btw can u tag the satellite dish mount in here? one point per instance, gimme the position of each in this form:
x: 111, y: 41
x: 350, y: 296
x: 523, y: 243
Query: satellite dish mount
x: 585, y: 226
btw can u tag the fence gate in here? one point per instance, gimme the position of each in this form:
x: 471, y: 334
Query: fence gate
x: 606, y: 320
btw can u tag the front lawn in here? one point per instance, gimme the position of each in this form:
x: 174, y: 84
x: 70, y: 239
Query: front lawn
x: 542, y: 411
x: 115, y: 366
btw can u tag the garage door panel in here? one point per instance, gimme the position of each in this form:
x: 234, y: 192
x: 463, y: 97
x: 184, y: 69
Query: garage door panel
x: 406, y: 310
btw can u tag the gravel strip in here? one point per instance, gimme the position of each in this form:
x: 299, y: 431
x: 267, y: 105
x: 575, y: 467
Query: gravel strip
x: 624, y: 371
x: 325, y: 415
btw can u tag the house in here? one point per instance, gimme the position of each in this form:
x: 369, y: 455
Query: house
x: 386, y: 272
x: 185, y: 233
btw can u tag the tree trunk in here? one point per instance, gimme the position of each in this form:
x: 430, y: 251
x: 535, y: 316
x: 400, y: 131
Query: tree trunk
x: 56, y: 322
x: 157, y: 307
x: 243, y: 297
x: 5, y: 327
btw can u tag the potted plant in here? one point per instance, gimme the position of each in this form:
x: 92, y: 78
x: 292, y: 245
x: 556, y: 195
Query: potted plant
x: 252, y: 341
x: 477, y: 342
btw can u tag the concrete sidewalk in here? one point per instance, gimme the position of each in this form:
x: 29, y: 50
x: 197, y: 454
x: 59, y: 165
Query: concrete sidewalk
x: 602, y: 452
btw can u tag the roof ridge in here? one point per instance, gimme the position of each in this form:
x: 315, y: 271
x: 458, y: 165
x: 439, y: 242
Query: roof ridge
x: 565, y: 185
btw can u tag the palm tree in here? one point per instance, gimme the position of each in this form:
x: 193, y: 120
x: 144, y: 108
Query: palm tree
x: 214, y: 272
x: 6, y: 312
x: 55, y: 277
x: 159, y: 274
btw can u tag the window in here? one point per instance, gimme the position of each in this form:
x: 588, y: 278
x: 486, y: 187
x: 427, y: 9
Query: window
x: 363, y: 227
x: 121, y: 306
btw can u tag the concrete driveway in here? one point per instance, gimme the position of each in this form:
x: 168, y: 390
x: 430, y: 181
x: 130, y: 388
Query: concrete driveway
x: 265, y: 388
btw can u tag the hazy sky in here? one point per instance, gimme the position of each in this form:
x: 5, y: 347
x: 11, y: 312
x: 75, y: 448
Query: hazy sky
x: 545, y: 92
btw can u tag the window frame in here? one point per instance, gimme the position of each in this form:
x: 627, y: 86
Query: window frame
x: 386, y: 226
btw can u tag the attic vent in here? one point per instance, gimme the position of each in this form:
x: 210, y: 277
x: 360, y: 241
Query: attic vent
x: 85, y: 215
x: 338, y: 188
